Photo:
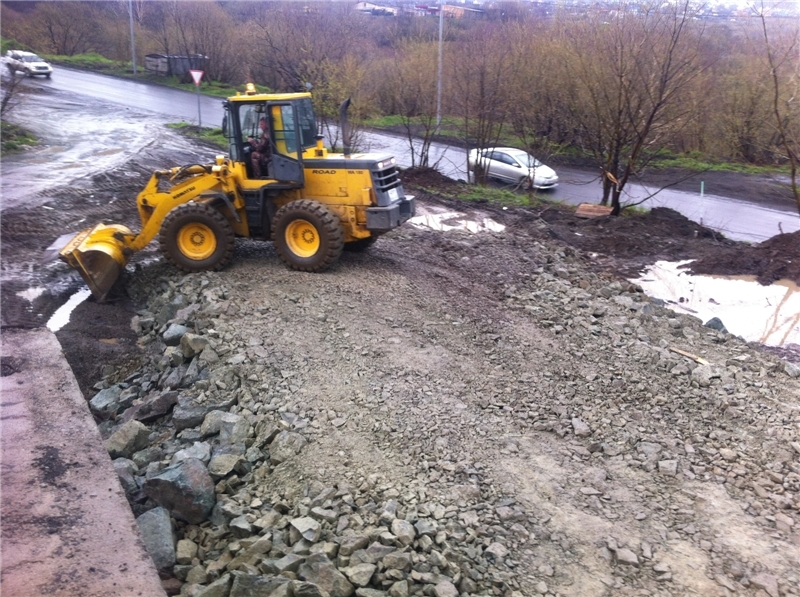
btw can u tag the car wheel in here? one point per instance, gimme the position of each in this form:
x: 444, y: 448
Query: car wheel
x: 48, y: 75
x: 526, y: 182
x: 196, y: 237
x: 307, y: 235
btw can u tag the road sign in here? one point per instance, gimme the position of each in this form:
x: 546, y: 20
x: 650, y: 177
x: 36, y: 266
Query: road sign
x: 197, y: 75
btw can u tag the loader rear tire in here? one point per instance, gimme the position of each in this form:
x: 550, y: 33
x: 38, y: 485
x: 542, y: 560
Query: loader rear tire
x: 307, y: 235
x: 196, y: 237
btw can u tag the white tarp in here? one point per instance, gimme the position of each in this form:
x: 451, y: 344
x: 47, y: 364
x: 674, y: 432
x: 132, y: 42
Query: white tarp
x: 766, y: 314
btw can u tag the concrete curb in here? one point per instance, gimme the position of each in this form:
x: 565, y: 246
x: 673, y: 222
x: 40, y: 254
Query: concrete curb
x: 67, y: 528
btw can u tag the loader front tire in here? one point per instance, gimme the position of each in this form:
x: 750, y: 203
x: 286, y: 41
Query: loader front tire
x: 307, y: 235
x: 196, y: 237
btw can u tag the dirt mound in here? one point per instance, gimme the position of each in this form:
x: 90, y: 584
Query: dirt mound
x: 428, y: 177
x: 775, y: 259
x: 629, y: 243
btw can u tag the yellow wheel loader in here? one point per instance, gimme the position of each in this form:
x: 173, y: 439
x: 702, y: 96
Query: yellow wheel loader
x: 310, y: 203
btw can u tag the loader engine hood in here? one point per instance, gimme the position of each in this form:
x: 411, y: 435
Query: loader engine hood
x: 383, y: 172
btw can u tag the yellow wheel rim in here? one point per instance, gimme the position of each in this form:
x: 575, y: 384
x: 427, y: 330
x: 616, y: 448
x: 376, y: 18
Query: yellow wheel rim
x: 197, y: 241
x: 302, y: 238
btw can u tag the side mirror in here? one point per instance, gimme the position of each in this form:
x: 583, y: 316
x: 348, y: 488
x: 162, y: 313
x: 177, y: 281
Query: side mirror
x: 225, y: 126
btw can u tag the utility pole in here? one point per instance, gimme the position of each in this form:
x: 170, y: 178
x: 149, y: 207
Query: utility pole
x: 133, y: 42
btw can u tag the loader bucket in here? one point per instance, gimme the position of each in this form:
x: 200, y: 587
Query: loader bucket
x: 100, y: 255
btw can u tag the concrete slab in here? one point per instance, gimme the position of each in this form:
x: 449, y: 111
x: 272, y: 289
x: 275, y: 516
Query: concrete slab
x: 67, y: 528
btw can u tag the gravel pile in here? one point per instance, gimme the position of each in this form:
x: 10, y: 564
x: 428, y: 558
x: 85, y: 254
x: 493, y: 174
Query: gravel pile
x: 450, y: 414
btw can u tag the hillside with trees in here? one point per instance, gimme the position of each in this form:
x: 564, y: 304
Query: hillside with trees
x: 619, y: 84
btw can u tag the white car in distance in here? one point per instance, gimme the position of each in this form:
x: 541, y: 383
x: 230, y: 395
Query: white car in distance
x: 513, y: 166
x: 28, y: 63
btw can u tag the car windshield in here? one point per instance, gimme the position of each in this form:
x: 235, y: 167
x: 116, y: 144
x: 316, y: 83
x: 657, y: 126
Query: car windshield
x: 526, y: 159
x: 33, y: 58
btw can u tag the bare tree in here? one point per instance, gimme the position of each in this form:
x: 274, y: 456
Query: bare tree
x: 626, y: 77
x: 200, y: 28
x: 480, y: 70
x: 68, y: 27
x: 324, y: 45
x: 537, y: 110
x: 411, y: 81
x: 780, y: 50
x: 10, y: 92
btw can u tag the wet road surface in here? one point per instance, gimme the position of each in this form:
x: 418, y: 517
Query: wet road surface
x: 738, y: 220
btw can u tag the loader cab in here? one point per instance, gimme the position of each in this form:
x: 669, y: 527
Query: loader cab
x: 292, y: 129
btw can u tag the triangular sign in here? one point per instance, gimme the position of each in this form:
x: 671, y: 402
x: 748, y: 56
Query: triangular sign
x: 196, y: 75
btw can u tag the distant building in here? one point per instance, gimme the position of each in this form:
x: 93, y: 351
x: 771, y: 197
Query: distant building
x: 174, y: 65
x: 450, y: 11
x: 376, y: 9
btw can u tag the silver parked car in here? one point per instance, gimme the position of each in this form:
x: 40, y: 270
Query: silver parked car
x: 514, y: 166
x: 29, y: 63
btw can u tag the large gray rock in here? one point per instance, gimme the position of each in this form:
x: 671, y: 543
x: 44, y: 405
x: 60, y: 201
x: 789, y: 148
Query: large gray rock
x: 286, y: 445
x: 168, y: 311
x: 126, y: 471
x: 240, y: 527
x: 129, y: 438
x: 218, y: 588
x: 349, y: 544
x: 174, y: 379
x: 213, y: 421
x: 445, y: 589
x: 110, y: 401
x: 307, y: 589
x: 189, y: 415
x: 703, y: 374
x: 221, y: 465
x: 199, y: 450
x: 174, y: 333
x: 155, y: 528
x: 289, y: 563
x: 185, y: 551
x: 306, y: 527
x: 185, y: 489
x: 235, y: 432
x: 142, y: 458
x: 404, y: 531
x: 192, y: 344
x: 792, y: 369
x: 360, y: 574
x: 397, y: 560
x: 580, y: 428
x: 152, y: 407
x: 318, y: 569
x: 715, y: 323
x: 255, y: 585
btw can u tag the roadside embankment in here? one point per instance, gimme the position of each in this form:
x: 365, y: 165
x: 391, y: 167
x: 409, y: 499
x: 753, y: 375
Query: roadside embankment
x: 67, y: 528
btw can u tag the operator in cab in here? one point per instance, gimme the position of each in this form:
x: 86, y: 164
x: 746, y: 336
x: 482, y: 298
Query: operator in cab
x: 262, y: 150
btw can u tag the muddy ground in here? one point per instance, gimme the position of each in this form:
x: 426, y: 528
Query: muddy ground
x: 623, y: 245
x: 513, y: 380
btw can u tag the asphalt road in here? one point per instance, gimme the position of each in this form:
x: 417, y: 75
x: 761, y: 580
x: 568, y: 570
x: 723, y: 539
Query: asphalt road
x: 737, y: 219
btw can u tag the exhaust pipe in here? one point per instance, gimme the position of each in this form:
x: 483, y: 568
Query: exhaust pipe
x: 345, y: 125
